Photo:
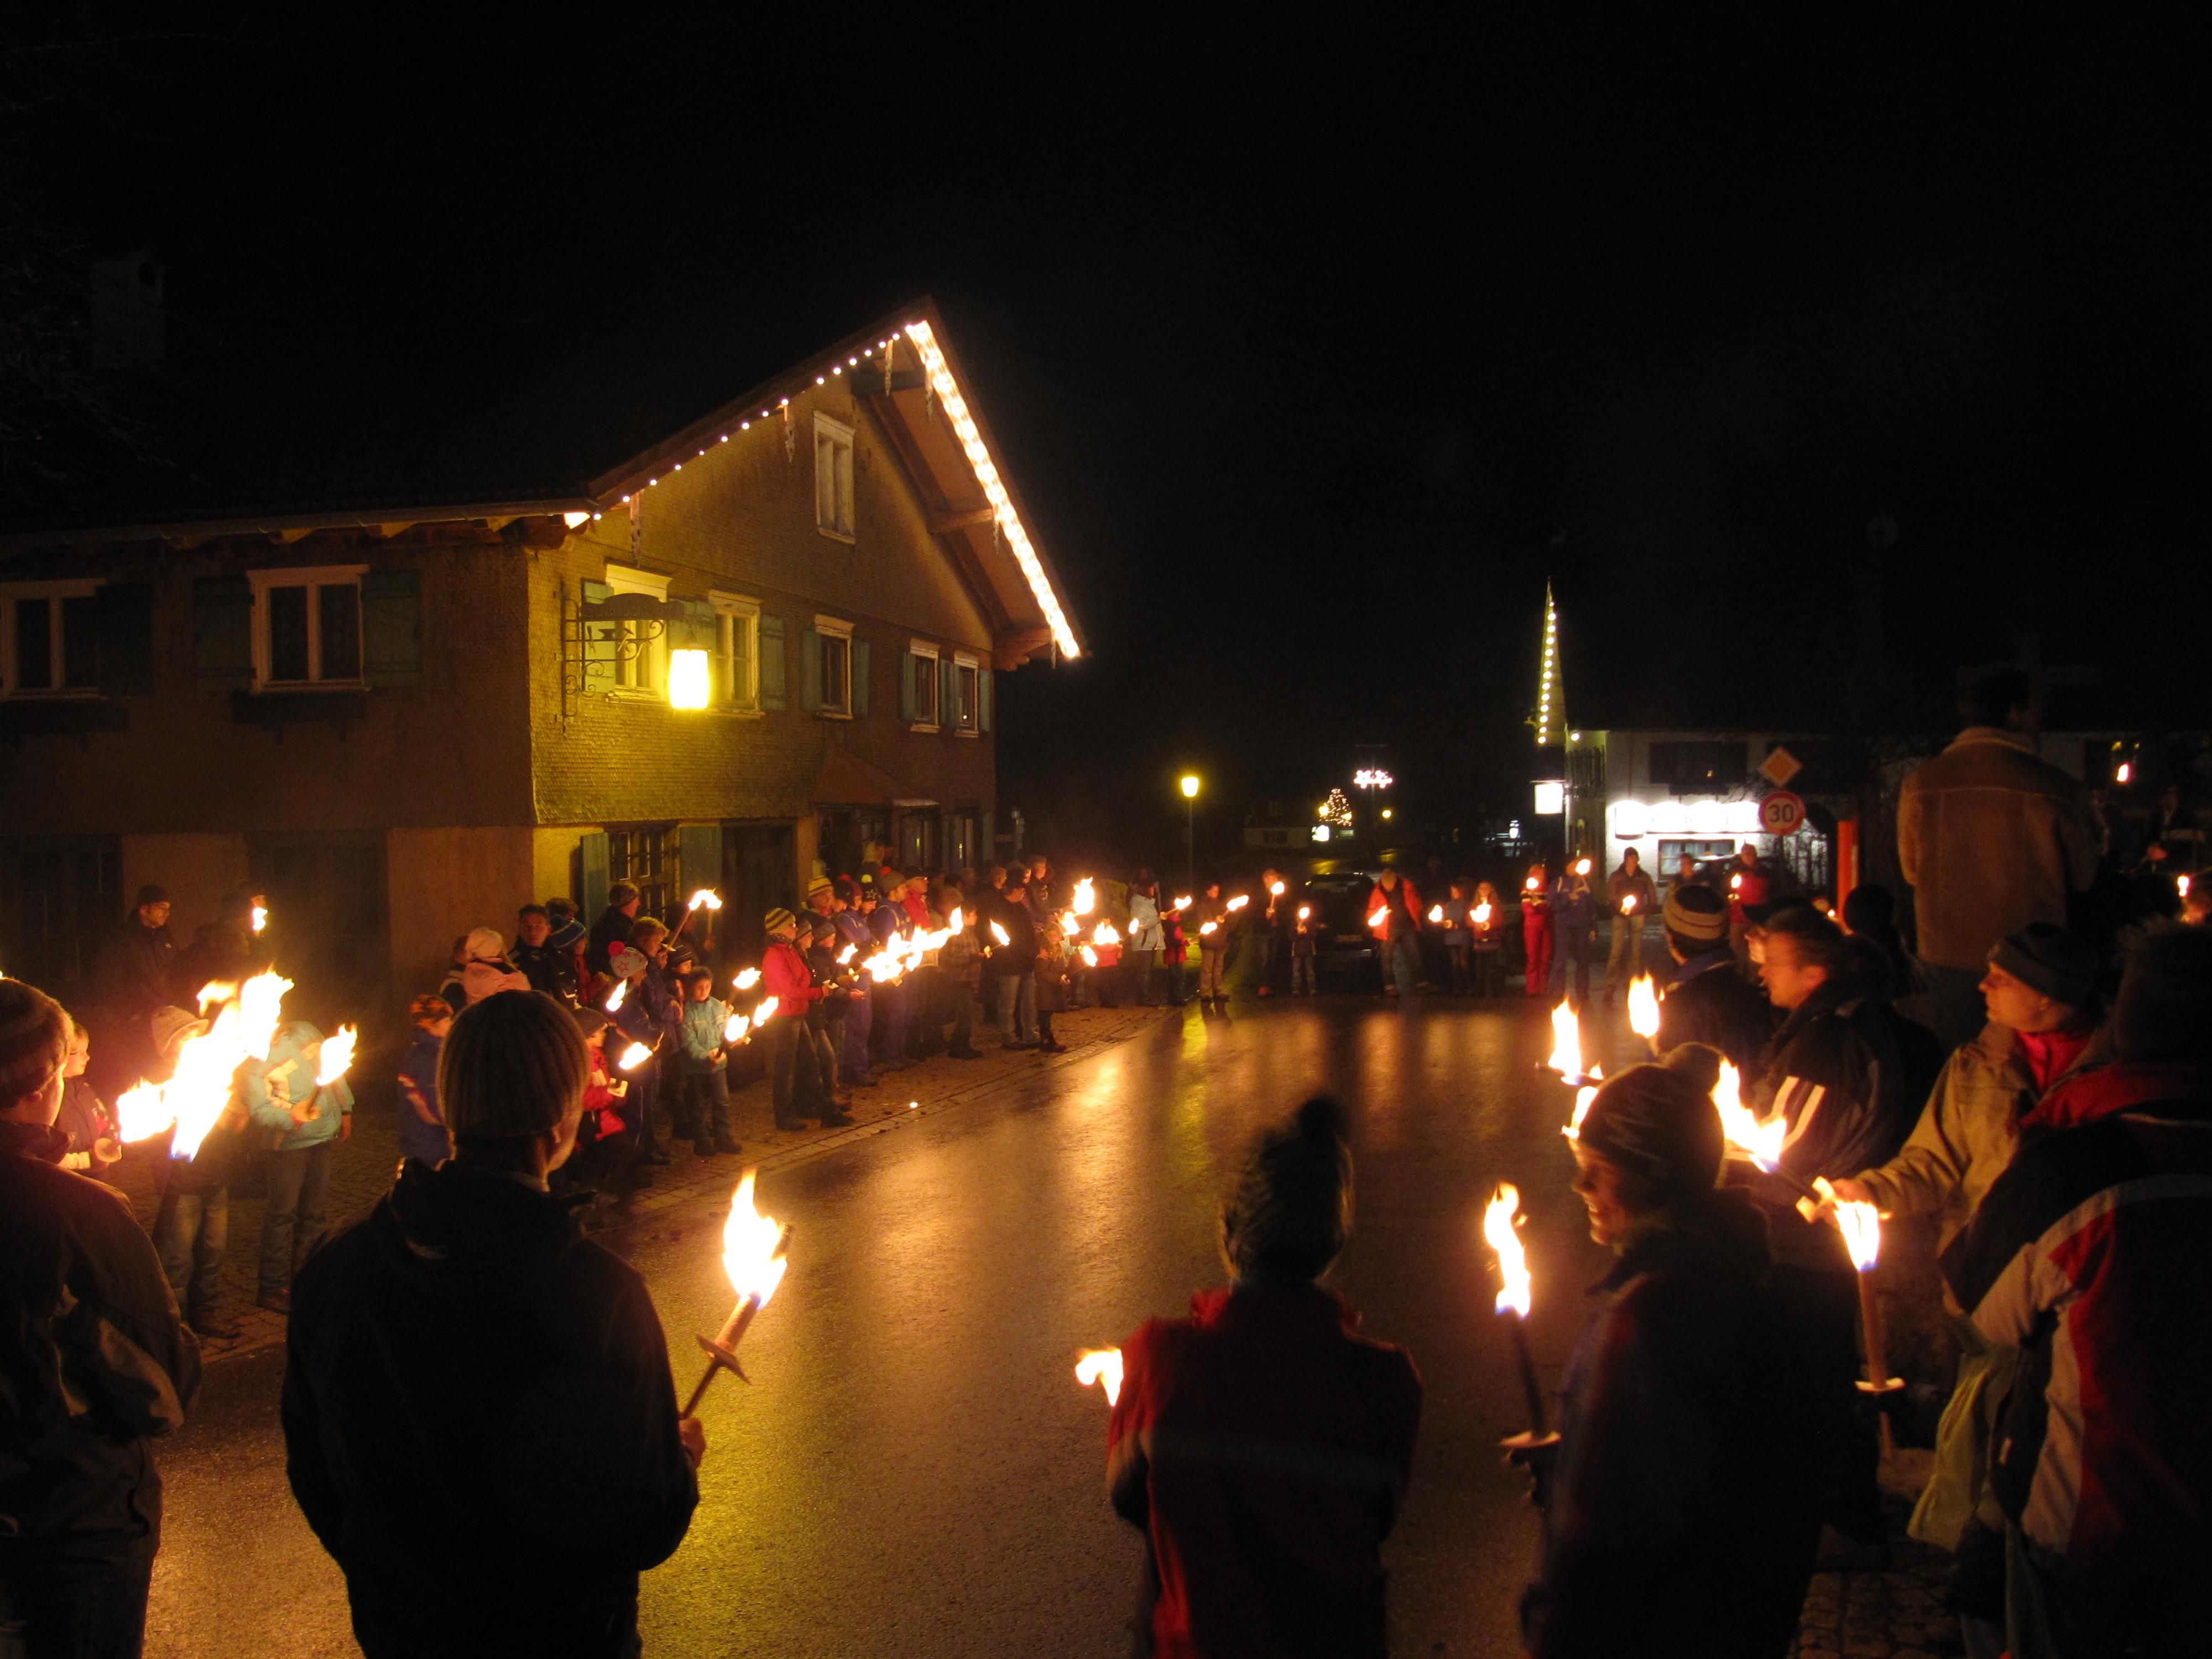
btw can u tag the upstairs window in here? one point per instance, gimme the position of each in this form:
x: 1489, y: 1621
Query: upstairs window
x: 922, y: 689
x: 737, y: 651
x: 833, y: 477
x: 967, y: 676
x: 307, y: 627
x: 50, y: 638
x: 639, y: 649
x: 834, y: 692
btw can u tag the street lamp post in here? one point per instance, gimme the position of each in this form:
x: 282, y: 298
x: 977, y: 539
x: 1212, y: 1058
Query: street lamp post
x: 1190, y: 829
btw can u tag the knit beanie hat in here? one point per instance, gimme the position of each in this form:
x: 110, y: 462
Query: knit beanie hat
x: 485, y: 944
x: 2164, y: 1009
x: 1291, y: 1211
x: 173, y: 1025
x: 624, y: 962
x: 1697, y: 913
x: 818, y: 884
x: 2053, y: 960
x: 512, y: 1066
x: 891, y: 881
x: 34, y: 1039
x: 779, y: 920
x: 1654, y: 1122
x: 151, y: 893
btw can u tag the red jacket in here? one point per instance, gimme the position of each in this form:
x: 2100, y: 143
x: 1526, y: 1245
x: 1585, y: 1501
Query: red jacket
x: 786, y: 976
x: 1380, y: 899
x: 1264, y: 1446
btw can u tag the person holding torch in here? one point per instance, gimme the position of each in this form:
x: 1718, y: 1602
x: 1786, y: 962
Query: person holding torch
x: 1681, y: 1518
x: 479, y: 1417
x: 1262, y: 1444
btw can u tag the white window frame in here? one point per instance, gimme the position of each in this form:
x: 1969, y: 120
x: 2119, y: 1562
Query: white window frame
x: 833, y: 505
x: 833, y: 628
x: 10, y: 671
x: 923, y: 650
x: 966, y: 662
x: 311, y: 577
x: 649, y: 661
x: 736, y: 616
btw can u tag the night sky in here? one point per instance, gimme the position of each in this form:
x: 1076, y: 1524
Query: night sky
x: 1809, y: 367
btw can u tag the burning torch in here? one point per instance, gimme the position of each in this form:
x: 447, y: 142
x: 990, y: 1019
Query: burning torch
x: 705, y: 899
x: 754, y: 1256
x: 1498, y: 1222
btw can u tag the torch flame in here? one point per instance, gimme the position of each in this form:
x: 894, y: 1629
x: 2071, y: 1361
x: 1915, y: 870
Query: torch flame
x: 1276, y: 888
x: 1238, y: 902
x: 1105, y: 935
x: 1183, y: 903
x: 1760, y: 1142
x: 337, y: 1056
x: 260, y: 1010
x: 1862, y: 1229
x: 260, y: 917
x: 1070, y: 926
x: 1628, y: 904
x: 734, y: 1028
x: 845, y: 957
x: 1086, y: 897
x: 615, y: 997
x: 1482, y: 914
x: 1435, y: 913
x: 1000, y: 934
x: 633, y: 1057
x: 142, y: 1113
x: 1376, y: 919
x: 702, y: 896
x: 1205, y: 928
x: 747, y: 978
x: 200, y: 1088
x: 1089, y: 956
x: 1305, y: 913
x: 214, y: 991
x: 1498, y: 1223
x: 749, y: 1239
x: 1103, y: 1367
x: 1582, y: 867
x: 1566, y: 1041
x: 956, y: 923
x: 1642, y: 1006
x: 1531, y: 883
x: 765, y: 1012
x: 1735, y: 883
x: 1583, y: 1097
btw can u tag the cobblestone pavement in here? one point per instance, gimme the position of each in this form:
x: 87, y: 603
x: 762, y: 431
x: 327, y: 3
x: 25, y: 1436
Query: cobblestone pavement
x: 361, y: 1169
x: 1891, y: 1608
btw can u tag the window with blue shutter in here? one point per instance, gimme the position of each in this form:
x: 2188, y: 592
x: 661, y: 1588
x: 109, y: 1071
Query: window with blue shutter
x: 392, y: 626
x: 983, y: 700
x: 775, y: 680
x: 809, y: 671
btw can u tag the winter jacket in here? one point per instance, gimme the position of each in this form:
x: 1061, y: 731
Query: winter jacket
x: 139, y: 968
x: 222, y: 953
x: 1487, y: 935
x: 1401, y: 909
x: 1966, y: 1135
x: 1574, y: 905
x: 1708, y: 1001
x: 786, y: 976
x: 418, y: 1081
x: 1991, y: 837
x: 612, y: 928
x: 270, y: 1090
x: 1264, y: 1446
x: 2086, y: 1255
x: 1849, y: 1075
x: 702, y: 1035
x: 94, y: 1361
x: 86, y: 1120
x: 1052, y: 966
x: 1144, y: 922
x: 547, y: 968
x: 480, y: 1422
x: 1620, y: 886
x: 1681, y: 1519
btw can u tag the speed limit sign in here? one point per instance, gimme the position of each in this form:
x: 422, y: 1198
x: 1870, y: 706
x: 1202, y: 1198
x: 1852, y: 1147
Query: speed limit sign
x: 1781, y: 813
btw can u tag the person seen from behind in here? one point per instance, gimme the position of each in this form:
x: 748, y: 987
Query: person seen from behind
x: 1275, y: 1552
x: 95, y: 1365
x: 1679, y: 1518
x: 478, y: 1414
x: 1705, y: 1000
x: 422, y: 1132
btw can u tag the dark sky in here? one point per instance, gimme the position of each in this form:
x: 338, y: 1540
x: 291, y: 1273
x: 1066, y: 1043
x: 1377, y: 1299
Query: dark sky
x: 1316, y: 347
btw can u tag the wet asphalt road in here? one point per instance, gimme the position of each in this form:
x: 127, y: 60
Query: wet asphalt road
x: 914, y: 1471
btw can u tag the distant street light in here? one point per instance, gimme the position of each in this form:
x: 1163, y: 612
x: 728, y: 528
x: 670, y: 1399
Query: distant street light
x: 1190, y: 829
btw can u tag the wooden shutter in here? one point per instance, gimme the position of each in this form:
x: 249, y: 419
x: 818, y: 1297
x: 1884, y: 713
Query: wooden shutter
x: 699, y: 850
x: 910, y: 666
x: 392, y: 626
x: 861, y: 668
x: 982, y: 700
x: 223, y: 631
x: 774, y: 682
x: 591, y: 875
x: 696, y: 629
x: 948, y: 695
x: 809, y: 671
x: 124, y: 611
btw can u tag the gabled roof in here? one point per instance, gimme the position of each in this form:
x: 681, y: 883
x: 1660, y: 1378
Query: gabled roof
x: 902, y: 367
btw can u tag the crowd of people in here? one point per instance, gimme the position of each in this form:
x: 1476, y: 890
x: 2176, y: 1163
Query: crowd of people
x: 445, y: 1351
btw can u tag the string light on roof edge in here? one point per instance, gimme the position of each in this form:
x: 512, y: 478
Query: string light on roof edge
x: 1550, y: 680
x: 987, y: 474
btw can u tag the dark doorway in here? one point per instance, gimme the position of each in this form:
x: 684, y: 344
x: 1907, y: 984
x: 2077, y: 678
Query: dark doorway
x: 335, y: 940
x: 756, y: 876
x: 60, y: 897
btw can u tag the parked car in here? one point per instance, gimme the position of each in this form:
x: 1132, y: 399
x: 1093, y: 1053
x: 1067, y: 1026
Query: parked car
x: 1343, y: 948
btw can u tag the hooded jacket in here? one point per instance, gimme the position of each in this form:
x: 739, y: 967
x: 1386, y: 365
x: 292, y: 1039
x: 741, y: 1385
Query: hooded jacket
x: 1708, y: 1001
x: 480, y: 1423
x: 94, y: 1360
x: 270, y: 1108
x: 1264, y: 1446
x: 1680, y: 1521
x: 1992, y: 837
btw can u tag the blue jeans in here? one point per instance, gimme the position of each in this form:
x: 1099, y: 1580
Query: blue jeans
x: 1400, y: 964
x: 707, y: 1105
x: 1018, y: 1007
x: 1572, y: 949
x: 190, y: 1232
x: 292, y: 1220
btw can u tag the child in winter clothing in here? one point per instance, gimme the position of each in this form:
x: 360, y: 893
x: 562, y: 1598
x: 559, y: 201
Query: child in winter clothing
x: 422, y: 1131
x: 1213, y: 948
x: 706, y: 1065
x: 1459, y: 940
x: 1303, y: 951
x: 304, y: 1120
x: 1051, y: 983
x: 84, y: 1118
x: 1485, y: 920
